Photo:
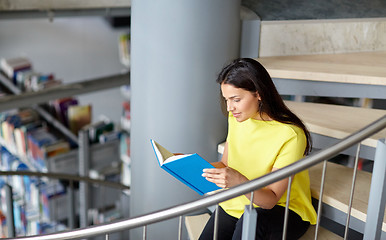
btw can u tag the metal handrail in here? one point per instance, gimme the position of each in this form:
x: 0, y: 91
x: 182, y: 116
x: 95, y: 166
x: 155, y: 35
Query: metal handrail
x: 211, y: 200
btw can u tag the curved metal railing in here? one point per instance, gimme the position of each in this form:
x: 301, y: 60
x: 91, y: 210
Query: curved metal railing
x: 70, y: 178
x: 207, y: 201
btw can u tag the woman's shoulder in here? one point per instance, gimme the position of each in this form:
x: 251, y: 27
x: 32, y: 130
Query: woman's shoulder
x: 290, y: 130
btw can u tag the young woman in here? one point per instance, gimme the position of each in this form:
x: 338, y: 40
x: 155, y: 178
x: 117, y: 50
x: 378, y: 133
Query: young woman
x: 263, y: 136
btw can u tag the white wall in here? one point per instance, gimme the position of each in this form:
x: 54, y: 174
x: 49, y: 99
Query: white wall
x: 74, y: 49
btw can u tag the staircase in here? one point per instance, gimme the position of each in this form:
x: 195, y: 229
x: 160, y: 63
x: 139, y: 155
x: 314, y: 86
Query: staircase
x: 359, y: 75
x: 304, y: 59
x: 338, y: 178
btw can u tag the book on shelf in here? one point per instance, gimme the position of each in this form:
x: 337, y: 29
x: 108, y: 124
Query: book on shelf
x: 18, y: 182
x: 21, y: 78
x: 6, y: 132
x: 30, y: 80
x: 25, y: 116
x: 78, y: 117
x: 187, y: 168
x: 42, y: 81
x: 21, y: 135
x: 3, y: 225
x: 10, y: 122
x: 47, y: 84
x: 37, y: 139
x: 7, y: 126
x: 124, y: 49
x: 11, y: 66
x: 56, y: 148
x: 109, y: 136
x: 61, y: 106
x: 126, y: 117
x: 20, y: 73
x: 46, y: 147
x: 6, y: 161
x: 125, y: 144
x: 96, y: 129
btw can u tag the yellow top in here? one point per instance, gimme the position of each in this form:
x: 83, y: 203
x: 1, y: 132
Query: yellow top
x: 255, y: 147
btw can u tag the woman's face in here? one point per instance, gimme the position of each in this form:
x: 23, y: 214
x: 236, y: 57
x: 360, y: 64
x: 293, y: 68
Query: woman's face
x: 241, y: 103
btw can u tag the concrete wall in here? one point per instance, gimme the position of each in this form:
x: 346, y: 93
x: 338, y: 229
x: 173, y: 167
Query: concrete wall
x: 299, y: 37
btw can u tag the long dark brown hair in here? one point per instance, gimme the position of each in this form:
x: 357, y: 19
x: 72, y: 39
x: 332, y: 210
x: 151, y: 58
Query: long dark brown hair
x: 250, y: 75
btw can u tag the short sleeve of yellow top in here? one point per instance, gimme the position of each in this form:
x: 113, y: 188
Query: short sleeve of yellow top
x: 255, y: 147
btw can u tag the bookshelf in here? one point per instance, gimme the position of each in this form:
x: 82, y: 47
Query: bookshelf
x: 99, y: 156
x: 22, y: 5
x: 66, y: 90
x: 125, y: 138
x: 52, y: 8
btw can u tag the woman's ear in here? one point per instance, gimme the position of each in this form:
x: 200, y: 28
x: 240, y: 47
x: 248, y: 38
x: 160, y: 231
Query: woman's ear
x: 258, y: 96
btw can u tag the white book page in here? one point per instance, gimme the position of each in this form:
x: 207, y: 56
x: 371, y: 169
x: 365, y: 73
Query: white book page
x: 163, y: 155
x: 176, y: 157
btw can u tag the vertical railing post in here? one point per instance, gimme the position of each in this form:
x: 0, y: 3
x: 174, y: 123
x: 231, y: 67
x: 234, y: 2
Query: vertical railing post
x: 10, y: 217
x: 144, y: 232
x: 180, y: 228
x: 249, y: 221
x: 377, y: 198
x: 287, y: 208
x: 352, y: 192
x: 215, y: 228
x: 320, y: 198
x: 84, y: 167
x: 71, y: 205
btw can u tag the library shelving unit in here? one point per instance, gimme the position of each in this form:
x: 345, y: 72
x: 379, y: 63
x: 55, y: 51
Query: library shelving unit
x: 83, y: 160
x: 52, y: 8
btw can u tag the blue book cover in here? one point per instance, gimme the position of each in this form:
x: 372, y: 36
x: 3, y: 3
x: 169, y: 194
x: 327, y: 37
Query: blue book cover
x: 187, y: 168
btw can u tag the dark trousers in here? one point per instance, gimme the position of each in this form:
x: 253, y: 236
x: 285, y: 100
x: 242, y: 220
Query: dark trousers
x: 269, y: 225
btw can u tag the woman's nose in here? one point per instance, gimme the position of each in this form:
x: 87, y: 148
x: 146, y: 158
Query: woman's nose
x: 229, y: 106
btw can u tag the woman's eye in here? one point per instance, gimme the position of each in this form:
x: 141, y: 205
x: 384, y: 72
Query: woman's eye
x: 236, y: 100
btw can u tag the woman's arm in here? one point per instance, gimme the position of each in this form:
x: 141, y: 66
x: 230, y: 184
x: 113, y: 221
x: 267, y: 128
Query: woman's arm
x: 224, y: 158
x: 268, y: 196
x: 227, y: 177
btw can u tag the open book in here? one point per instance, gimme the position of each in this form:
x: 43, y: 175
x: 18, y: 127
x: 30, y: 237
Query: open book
x: 187, y: 168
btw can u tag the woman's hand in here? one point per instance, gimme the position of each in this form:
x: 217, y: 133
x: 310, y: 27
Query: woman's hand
x: 224, y: 177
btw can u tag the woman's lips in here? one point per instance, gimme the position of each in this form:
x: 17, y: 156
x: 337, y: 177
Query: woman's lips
x: 236, y: 115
